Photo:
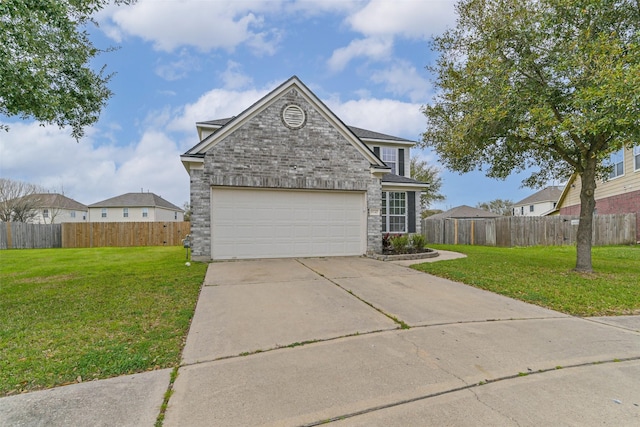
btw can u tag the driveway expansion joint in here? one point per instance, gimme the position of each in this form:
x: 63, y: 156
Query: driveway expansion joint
x: 469, y: 387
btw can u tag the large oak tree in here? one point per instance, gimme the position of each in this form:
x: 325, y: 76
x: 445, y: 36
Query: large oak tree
x: 45, y: 62
x: 546, y: 85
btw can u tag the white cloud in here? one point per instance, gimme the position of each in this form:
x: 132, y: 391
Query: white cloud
x: 373, y: 48
x: 382, y: 21
x: 408, y: 18
x: 233, y: 77
x: 403, y: 79
x: 382, y: 115
x: 205, y: 25
x: 179, y: 69
x: 89, y: 172
x: 215, y: 104
x: 155, y: 166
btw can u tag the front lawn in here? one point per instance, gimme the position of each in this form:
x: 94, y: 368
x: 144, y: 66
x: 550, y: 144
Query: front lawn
x: 70, y: 315
x: 544, y: 276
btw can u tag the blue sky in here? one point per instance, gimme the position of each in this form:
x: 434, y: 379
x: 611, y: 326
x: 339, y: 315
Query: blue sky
x: 182, y: 61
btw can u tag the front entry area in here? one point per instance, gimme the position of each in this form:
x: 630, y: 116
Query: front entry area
x: 270, y: 223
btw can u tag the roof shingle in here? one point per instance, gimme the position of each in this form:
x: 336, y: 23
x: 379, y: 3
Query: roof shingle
x: 136, y: 200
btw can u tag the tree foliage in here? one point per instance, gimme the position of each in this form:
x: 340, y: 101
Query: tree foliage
x: 499, y: 206
x: 430, y: 175
x: 45, y: 55
x: 542, y: 85
x: 19, y: 201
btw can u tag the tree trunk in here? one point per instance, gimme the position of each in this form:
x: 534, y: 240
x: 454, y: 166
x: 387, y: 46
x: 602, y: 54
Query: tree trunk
x: 585, y: 227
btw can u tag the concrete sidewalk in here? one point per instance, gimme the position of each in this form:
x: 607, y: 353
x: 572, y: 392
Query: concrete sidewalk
x: 304, y: 342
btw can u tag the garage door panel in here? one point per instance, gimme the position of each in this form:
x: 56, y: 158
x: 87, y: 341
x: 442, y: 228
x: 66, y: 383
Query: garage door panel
x: 279, y: 223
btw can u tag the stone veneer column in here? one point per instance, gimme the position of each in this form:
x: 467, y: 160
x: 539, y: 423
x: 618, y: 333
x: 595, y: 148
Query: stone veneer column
x: 200, y: 216
x: 374, y: 222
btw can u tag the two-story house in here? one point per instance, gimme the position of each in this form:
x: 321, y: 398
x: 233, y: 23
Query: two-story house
x: 619, y: 193
x: 135, y: 207
x: 55, y: 208
x: 540, y: 203
x: 287, y: 178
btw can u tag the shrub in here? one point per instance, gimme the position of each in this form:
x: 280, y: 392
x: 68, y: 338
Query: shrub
x: 386, y: 242
x: 400, y: 243
x: 418, y: 242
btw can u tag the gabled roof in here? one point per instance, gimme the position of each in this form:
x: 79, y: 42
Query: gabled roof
x: 136, y: 200
x: 363, y: 134
x: 464, y: 211
x: 548, y: 194
x: 57, y: 201
x: 377, y: 136
x: 293, y: 82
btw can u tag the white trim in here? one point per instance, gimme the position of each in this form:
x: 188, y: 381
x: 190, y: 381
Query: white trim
x: 376, y: 141
x: 192, y: 163
x: 392, y: 186
x: 385, y: 217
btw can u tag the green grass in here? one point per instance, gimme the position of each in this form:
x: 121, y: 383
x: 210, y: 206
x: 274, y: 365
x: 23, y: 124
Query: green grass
x: 544, y: 276
x: 69, y: 314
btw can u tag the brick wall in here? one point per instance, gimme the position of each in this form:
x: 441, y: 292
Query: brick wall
x: 622, y: 203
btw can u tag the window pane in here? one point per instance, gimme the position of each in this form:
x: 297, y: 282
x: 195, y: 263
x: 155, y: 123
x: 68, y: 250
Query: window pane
x: 390, y: 157
x: 394, y: 208
x: 636, y: 155
x: 617, y: 160
x: 396, y: 224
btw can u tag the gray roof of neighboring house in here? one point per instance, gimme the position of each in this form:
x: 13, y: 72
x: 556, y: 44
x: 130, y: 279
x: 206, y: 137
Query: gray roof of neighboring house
x: 548, y: 194
x: 464, y: 211
x: 136, y: 200
x: 359, y: 132
x: 57, y: 201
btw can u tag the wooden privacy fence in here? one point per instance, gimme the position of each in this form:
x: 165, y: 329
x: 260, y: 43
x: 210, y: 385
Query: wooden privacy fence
x: 19, y: 235
x: 558, y: 230
x: 15, y: 235
x: 120, y: 234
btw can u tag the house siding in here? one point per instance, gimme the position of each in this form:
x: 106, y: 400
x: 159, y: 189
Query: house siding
x: 539, y: 208
x: 617, y: 195
x: 116, y: 214
x: 264, y: 153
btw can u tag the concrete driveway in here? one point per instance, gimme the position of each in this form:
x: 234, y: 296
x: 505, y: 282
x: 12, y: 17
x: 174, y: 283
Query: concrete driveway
x: 358, y: 342
x: 354, y: 341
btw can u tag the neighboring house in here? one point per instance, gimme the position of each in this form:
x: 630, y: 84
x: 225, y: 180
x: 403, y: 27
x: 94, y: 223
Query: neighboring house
x: 538, y: 204
x: 464, y: 212
x: 619, y: 193
x: 54, y: 208
x: 287, y: 178
x: 135, y: 207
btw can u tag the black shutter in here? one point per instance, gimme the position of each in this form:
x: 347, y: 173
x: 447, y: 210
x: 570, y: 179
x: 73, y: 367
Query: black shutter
x: 411, y: 211
x: 401, y: 161
x: 376, y: 151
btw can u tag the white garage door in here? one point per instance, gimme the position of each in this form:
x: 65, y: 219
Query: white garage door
x: 282, y: 224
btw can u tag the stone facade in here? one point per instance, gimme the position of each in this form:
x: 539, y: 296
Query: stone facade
x: 266, y: 153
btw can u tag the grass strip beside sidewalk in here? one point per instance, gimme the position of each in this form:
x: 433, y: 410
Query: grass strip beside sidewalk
x: 70, y: 315
x: 543, y: 275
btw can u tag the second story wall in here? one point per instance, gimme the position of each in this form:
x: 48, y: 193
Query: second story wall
x: 626, y: 181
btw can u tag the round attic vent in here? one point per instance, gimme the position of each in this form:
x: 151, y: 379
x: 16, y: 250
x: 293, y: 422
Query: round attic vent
x: 293, y: 116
